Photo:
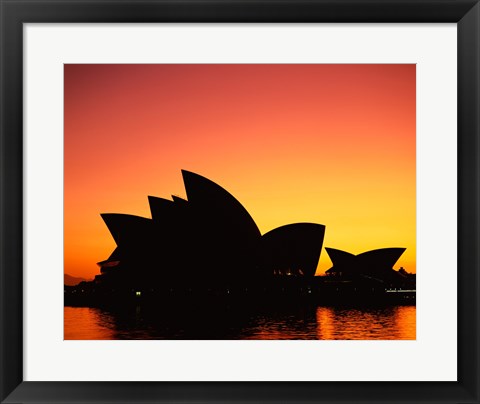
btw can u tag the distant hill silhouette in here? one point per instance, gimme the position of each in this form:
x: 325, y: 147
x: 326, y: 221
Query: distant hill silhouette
x: 70, y: 280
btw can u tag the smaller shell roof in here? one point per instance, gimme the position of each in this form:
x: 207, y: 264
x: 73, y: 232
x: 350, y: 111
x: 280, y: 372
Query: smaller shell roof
x: 382, y: 258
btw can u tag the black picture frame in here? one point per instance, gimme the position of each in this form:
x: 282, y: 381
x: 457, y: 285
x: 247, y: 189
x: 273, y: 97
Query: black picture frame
x: 465, y: 13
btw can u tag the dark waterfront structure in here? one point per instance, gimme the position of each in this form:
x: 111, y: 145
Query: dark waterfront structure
x: 375, y: 263
x: 205, y: 243
x: 371, y: 269
x: 207, y: 247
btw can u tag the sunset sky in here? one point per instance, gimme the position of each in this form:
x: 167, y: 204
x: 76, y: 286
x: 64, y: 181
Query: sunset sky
x: 330, y: 144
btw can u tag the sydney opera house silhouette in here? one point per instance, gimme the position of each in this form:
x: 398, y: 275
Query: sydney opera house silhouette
x: 209, y: 243
x: 374, y: 264
x: 208, y: 237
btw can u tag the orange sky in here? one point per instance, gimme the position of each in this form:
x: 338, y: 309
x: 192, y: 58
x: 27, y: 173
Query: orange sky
x: 330, y: 144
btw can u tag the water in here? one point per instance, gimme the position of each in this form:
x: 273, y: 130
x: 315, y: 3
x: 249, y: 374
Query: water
x: 321, y: 323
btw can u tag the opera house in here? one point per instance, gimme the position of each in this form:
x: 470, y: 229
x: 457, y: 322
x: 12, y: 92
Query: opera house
x: 208, y: 245
x: 208, y: 238
x: 375, y: 266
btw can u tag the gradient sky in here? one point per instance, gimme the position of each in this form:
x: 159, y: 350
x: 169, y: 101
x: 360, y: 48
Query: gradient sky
x: 330, y: 144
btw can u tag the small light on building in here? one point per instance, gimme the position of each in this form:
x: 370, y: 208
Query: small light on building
x: 138, y: 293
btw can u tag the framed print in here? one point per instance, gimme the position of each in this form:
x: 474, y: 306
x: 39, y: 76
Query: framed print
x: 198, y: 198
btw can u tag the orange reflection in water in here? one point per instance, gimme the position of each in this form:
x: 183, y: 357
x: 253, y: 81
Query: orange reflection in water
x: 87, y: 323
x: 322, y: 323
x: 387, y: 323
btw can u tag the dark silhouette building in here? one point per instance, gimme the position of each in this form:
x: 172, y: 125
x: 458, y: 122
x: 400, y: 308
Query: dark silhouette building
x: 207, y: 247
x: 375, y: 266
x: 207, y: 239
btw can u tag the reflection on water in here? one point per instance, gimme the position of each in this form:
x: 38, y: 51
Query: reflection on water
x: 325, y: 323
x: 87, y: 323
x: 397, y: 322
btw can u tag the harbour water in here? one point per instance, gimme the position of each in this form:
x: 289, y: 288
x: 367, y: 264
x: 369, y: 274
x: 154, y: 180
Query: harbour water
x: 316, y: 322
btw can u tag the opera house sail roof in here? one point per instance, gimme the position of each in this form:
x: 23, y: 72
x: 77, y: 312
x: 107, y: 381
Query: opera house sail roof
x: 375, y: 262
x: 207, y: 236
